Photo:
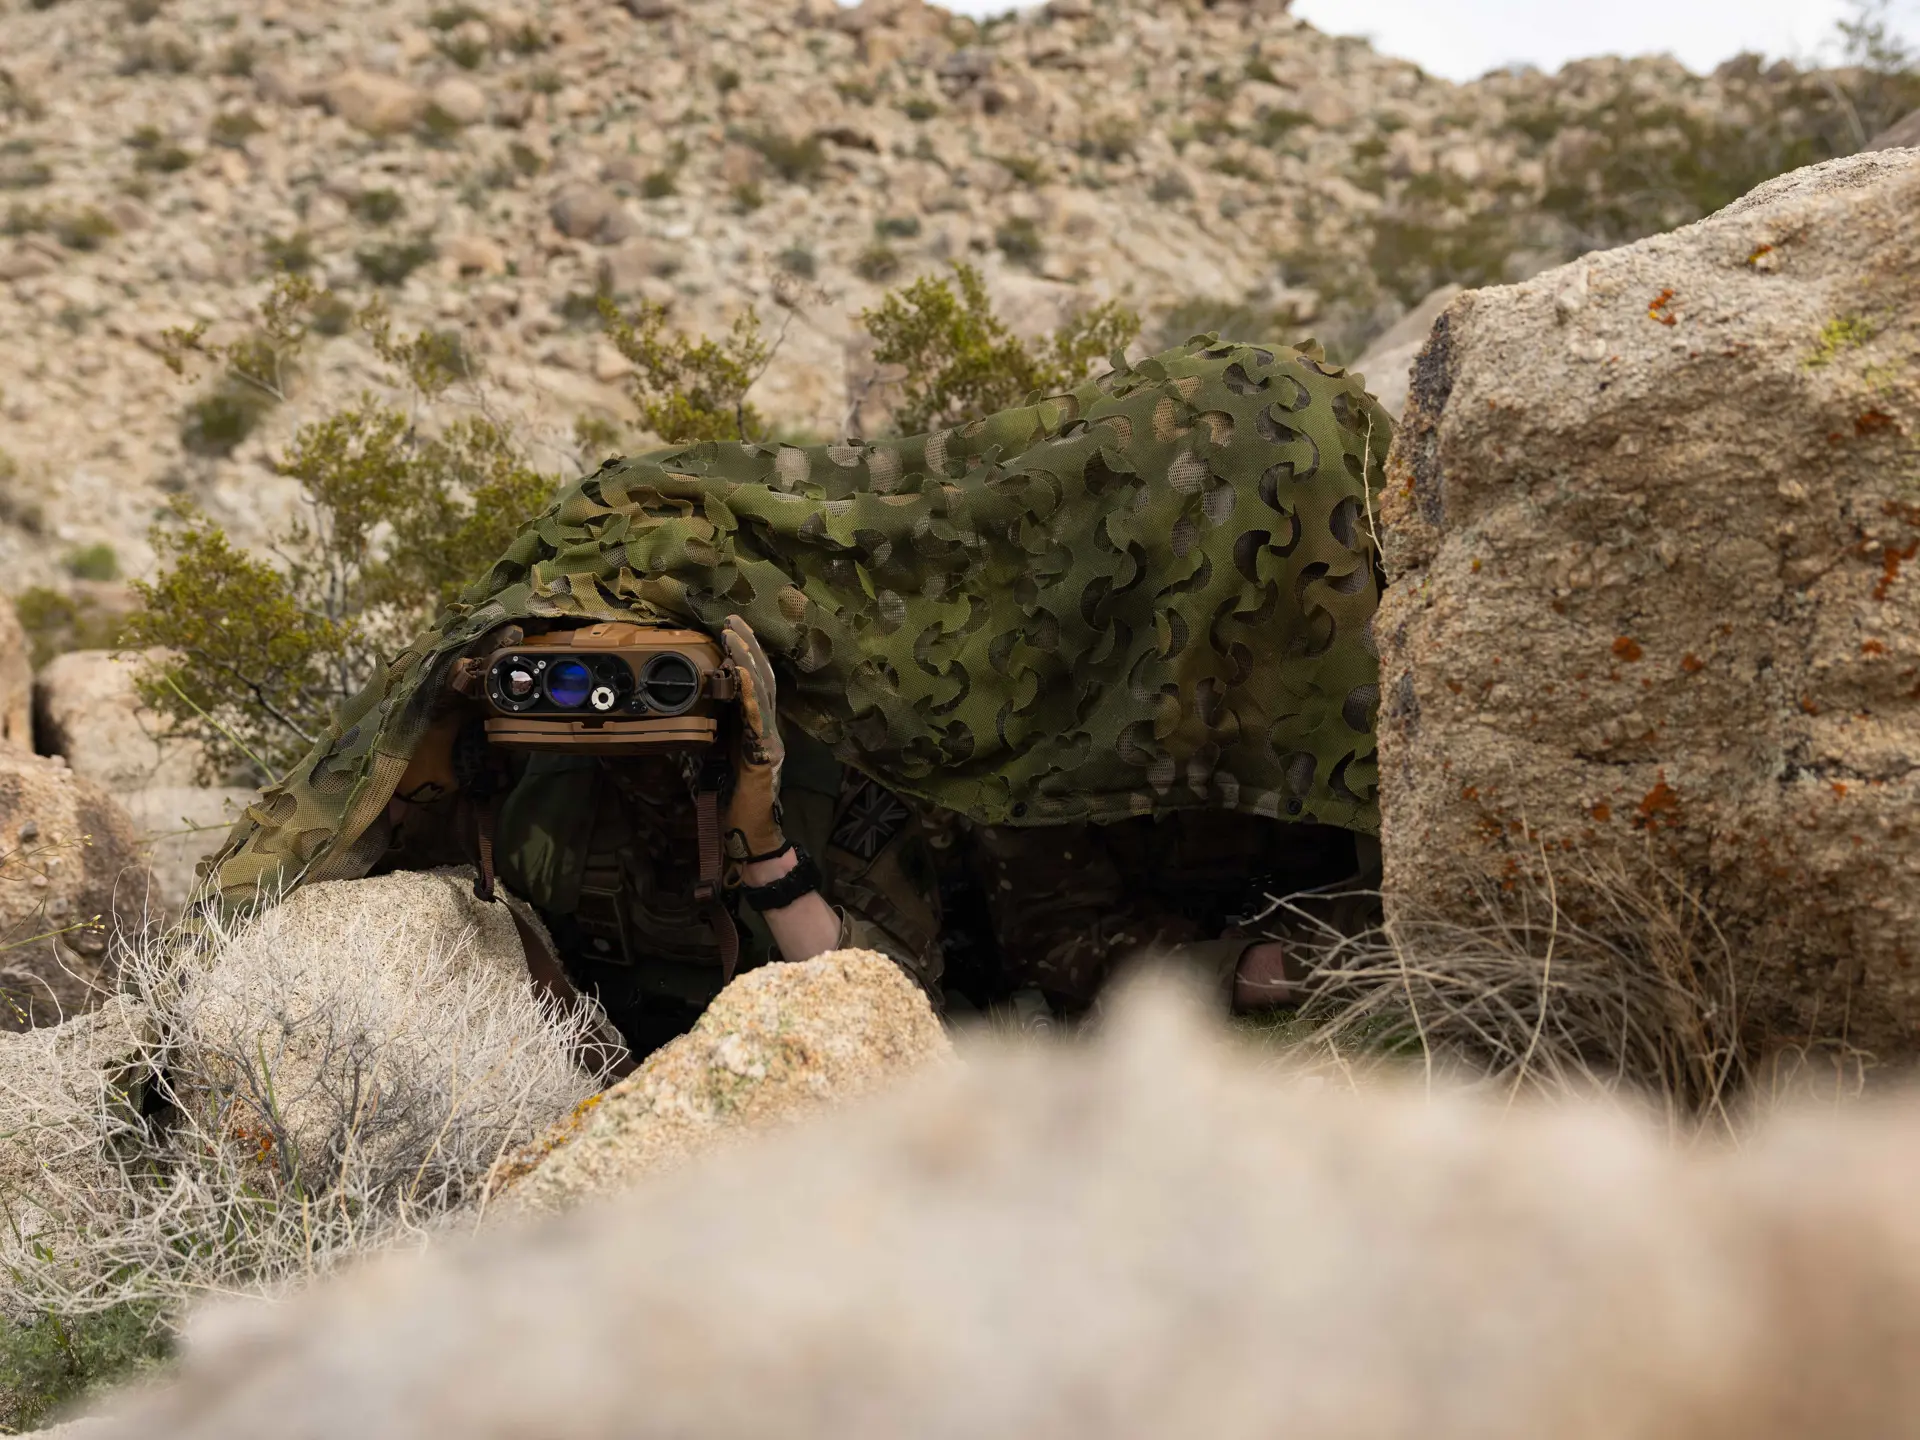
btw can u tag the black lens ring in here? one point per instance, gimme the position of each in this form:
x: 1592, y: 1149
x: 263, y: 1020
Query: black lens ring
x: 504, y: 697
x: 688, y: 680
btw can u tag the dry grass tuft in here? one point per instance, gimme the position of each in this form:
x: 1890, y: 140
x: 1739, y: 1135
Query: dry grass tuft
x: 253, y: 1120
x: 1588, y: 977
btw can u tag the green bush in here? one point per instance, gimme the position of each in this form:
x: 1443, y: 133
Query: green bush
x: 1027, y: 169
x: 234, y: 128
x: 52, y: 1361
x: 799, y: 260
x: 918, y: 107
x: 897, y: 227
x: 237, y: 60
x: 218, y: 421
x: 963, y: 361
x: 56, y: 622
x: 86, y: 229
x: 1019, y: 239
x: 660, y: 183
x: 394, y: 523
x: 879, y: 263
x: 379, y: 207
x: 690, y: 390
x: 799, y: 160
x: 93, y: 562
x: 153, y: 152
x: 391, y: 262
x: 747, y: 197
x: 469, y: 52
x: 292, y: 255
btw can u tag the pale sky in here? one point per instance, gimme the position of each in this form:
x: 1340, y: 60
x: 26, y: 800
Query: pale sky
x: 1462, y: 39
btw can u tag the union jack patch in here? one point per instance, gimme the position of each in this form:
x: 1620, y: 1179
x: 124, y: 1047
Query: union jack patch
x: 870, y: 816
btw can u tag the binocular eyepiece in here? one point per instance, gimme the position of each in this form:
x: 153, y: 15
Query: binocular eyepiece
x: 610, y: 689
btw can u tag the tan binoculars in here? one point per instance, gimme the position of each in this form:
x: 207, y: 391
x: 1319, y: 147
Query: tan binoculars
x: 605, y: 689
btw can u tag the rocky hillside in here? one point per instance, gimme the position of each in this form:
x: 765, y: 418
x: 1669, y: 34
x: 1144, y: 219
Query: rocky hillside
x: 489, y: 169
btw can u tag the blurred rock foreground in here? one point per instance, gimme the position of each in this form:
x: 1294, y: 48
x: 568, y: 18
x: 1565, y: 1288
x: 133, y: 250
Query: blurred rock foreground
x: 1152, y: 1235
x: 489, y: 167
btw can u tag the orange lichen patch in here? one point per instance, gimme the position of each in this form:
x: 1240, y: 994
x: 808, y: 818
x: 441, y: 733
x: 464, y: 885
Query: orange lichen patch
x: 1807, y: 704
x: 1455, y: 686
x: 1663, y: 799
x: 1661, y: 309
x: 1872, y: 647
x: 1469, y: 792
x: 1872, y: 421
x: 1692, y: 663
x: 1627, y: 649
x: 1839, y: 787
x: 1602, y: 812
x: 1759, y: 254
x: 1475, y: 566
x: 1890, y: 562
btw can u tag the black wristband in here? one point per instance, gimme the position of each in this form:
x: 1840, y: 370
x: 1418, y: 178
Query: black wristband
x: 803, y: 879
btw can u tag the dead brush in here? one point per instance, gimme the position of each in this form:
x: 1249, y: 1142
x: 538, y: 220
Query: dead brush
x: 185, y: 1169
x: 1595, y: 975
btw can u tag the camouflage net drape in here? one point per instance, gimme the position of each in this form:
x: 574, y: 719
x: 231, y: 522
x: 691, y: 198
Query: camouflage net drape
x: 1150, y: 595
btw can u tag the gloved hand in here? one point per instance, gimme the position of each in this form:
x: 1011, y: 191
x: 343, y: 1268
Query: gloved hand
x: 753, y: 810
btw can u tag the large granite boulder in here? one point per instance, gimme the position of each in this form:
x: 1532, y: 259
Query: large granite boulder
x: 777, y: 1044
x: 1654, y: 606
x: 1152, y: 1235
x: 70, y: 870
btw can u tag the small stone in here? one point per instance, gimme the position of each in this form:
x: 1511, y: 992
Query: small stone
x: 474, y: 255
x: 590, y: 212
x: 461, y: 100
x: 377, y: 104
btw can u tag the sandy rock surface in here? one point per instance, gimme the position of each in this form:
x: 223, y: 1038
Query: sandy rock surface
x: 1650, y: 524
x: 353, y: 993
x: 1153, y: 1235
x: 16, y: 681
x: 69, y: 857
x: 777, y: 1044
x: 87, y: 711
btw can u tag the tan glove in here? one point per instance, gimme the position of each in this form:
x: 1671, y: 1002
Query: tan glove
x: 753, y: 810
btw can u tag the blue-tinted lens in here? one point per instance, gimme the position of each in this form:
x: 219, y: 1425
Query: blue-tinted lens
x: 568, y: 684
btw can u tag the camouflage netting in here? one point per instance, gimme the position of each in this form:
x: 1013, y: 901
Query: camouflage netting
x: 1153, y: 594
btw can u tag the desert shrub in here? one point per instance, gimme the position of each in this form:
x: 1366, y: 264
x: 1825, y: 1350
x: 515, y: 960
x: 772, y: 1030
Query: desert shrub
x: 19, y: 506
x: 527, y: 38
x: 394, y: 523
x: 92, y: 562
x: 799, y: 260
x: 1170, y: 187
x: 438, y: 127
x: 726, y: 79
x: 302, y: 1103
x: 84, y: 229
x: 1027, y: 169
x: 747, y: 197
x: 56, y: 622
x: 233, y: 128
x: 797, y: 159
x: 379, y: 206
x: 292, y: 254
x: 50, y: 1361
x: 1111, y: 138
x: 879, y: 263
x: 897, y: 227
x: 918, y: 107
x: 1019, y: 239
x: 962, y: 360
x: 19, y: 171
x: 166, y: 55
x: 237, y: 60
x: 153, y: 152
x: 659, y: 184
x: 689, y: 390
x: 390, y: 262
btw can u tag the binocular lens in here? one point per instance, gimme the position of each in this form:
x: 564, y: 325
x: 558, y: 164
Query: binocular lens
x: 568, y: 684
x: 517, y: 683
x: 670, y: 684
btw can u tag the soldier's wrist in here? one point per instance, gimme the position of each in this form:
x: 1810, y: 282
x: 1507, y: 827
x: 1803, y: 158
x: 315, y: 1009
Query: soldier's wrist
x: 769, y: 868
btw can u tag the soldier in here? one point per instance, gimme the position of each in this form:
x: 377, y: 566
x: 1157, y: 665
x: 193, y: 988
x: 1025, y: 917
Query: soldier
x: 823, y: 859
